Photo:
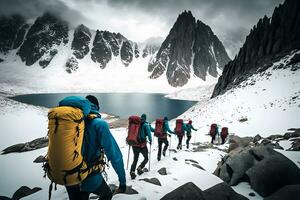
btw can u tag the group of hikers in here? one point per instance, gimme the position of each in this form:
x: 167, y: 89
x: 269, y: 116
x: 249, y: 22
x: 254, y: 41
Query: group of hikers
x: 79, y: 139
x: 139, y: 130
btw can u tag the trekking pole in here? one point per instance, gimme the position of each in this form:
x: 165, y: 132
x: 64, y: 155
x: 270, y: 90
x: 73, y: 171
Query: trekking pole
x: 170, y: 146
x: 150, y: 156
x: 128, y: 157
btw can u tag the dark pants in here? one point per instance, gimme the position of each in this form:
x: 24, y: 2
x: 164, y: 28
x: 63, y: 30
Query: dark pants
x: 179, y: 146
x: 136, y: 153
x: 160, y: 142
x: 103, y: 191
x: 188, y: 140
x: 223, y: 139
x: 213, y: 137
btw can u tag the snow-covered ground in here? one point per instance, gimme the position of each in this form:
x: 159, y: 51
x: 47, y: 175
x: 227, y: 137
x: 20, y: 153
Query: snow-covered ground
x: 271, y: 105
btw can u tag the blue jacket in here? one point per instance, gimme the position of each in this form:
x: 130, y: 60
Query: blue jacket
x: 146, y: 132
x: 98, y: 135
x: 189, y: 128
x: 166, y: 127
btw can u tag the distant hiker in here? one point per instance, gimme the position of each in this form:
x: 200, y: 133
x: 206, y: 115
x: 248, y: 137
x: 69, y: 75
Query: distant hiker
x: 161, y: 131
x: 224, y: 134
x: 141, y: 146
x: 213, y: 132
x: 85, y: 177
x: 189, y: 128
x: 180, y: 129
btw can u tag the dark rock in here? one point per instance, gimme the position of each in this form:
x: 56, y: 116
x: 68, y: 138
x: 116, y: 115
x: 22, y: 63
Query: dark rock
x: 12, y: 31
x: 101, y: 52
x: 187, y: 191
x: 235, y: 168
x: 4, y: 198
x: 71, y: 65
x: 295, y: 145
x: 145, y: 169
x: 186, y: 38
x: 190, y: 160
x: 274, y: 137
x: 290, y: 192
x: 243, y: 119
x: 40, y: 159
x: 268, y: 41
x: 272, y: 172
x: 174, y: 158
x: 80, y: 43
x: 154, y: 181
x: 294, y: 133
x: 25, y: 191
x: 222, y: 191
x: 28, y: 146
x: 256, y: 138
x: 46, y: 32
x: 126, y: 53
x: 198, y: 166
x: 236, y: 141
x: 251, y: 194
x: 162, y: 171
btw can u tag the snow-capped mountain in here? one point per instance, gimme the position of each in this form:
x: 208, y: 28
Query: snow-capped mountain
x: 269, y: 41
x: 50, y: 42
x: 191, y: 48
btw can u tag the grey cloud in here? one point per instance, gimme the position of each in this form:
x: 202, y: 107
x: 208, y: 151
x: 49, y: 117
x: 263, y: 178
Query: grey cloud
x: 31, y: 9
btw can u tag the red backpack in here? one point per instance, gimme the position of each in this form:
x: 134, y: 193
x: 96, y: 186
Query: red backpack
x: 224, y: 132
x: 133, y: 130
x: 213, y: 128
x: 179, y: 127
x: 159, y: 128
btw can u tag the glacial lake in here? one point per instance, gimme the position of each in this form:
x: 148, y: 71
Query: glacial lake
x: 120, y: 104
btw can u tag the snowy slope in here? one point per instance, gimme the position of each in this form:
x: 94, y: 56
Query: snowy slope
x: 270, y: 101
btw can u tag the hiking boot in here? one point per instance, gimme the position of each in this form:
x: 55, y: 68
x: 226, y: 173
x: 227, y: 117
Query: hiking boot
x: 164, y: 153
x: 187, y: 146
x: 139, y: 170
x: 132, y: 175
x: 158, y: 158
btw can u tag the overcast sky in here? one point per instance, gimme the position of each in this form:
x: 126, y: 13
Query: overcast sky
x: 231, y: 20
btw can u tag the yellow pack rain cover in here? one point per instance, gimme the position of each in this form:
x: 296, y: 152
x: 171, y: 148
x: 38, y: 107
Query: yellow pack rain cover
x: 65, y: 132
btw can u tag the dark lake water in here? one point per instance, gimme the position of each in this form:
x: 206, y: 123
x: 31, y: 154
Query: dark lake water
x: 120, y: 104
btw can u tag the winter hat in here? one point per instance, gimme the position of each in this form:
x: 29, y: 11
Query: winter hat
x: 143, y: 117
x: 165, y: 118
x: 93, y: 100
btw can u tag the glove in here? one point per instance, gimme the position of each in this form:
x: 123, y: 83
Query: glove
x: 121, y: 189
x: 150, y: 143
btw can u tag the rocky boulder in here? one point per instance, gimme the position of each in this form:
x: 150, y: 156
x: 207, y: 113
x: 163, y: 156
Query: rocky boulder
x: 272, y: 171
x: 71, y: 65
x: 187, y: 191
x: 290, y: 192
x: 28, y: 146
x: 22, y: 192
x: 222, y: 191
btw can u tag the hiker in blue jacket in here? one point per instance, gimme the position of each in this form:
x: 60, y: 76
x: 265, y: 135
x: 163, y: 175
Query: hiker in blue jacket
x: 189, y: 128
x: 163, y: 139
x: 141, y: 147
x: 98, y: 137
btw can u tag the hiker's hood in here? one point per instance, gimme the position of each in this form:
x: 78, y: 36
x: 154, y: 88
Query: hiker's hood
x: 95, y: 109
x: 77, y: 102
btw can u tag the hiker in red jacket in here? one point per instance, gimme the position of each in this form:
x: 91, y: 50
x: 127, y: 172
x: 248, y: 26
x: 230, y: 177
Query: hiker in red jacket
x: 163, y: 138
x: 224, y: 134
x: 213, y: 132
x: 141, y: 147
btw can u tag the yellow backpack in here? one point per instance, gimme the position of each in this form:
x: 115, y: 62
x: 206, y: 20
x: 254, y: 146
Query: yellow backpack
x: 65, y: 164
